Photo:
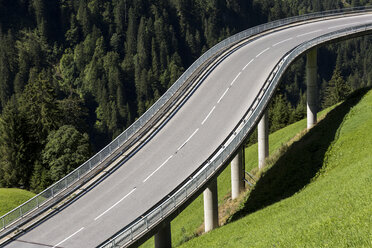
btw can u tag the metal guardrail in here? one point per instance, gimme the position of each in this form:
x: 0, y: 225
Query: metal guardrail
x: 134, y: 230
x: 55, y: 189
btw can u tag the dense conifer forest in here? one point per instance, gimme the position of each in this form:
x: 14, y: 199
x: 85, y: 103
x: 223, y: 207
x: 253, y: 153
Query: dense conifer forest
x: 76, y: 73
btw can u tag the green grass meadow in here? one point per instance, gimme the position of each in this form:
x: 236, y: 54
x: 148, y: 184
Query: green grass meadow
x: 11, y: 198
x: 317, y: 194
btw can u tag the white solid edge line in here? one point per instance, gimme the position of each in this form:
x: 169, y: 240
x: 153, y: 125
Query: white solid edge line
x: 69, y: 237
x: 208, y: 115
x: 166, y: 161
x: 282, y: 41
x: 343, y: 25
x: 309, y: 33
x: 99, y: 216
x: 223, y: 95
x: 248, y: 64
x: 235, y: 78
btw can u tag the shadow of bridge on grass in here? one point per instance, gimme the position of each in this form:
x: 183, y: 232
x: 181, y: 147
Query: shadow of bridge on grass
x: 300, y: 162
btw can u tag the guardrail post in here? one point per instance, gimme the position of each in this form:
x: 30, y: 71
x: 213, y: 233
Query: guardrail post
x: 312, y: 87
x: 237, y: 173
x: 163, y: 238
x: 210, y: 206
x: 263, y: 140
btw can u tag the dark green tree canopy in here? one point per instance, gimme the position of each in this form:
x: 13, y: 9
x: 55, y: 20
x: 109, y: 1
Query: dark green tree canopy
x: 65, y: 150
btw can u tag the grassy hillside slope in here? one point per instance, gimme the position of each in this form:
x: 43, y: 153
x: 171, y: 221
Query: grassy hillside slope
x: 186, y: 224
x: 318, y: 194
x: 11, y: 198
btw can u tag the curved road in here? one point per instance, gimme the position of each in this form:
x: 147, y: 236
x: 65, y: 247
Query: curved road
x: 178, y: 149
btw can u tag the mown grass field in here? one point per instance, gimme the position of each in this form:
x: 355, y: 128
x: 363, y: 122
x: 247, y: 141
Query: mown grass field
x: 318, y: 194
x: 184, y: 226
x: 11, y: 198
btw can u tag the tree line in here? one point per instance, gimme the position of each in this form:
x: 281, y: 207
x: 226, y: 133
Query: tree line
x: 75, y: 73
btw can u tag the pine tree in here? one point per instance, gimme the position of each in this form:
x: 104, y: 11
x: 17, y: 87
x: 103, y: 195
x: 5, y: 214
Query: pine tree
x: 83, y: 16
x: 68, y: 69
x: 279, y: 113
x: 39, y: 102
x: 8, y: 67
x: 39, y: 6
x: 131, y: 35
x: 143, y: 51
x: 73, y: 35
x: 16, y: 154
x: 337, y: 89
x: 40, y: 178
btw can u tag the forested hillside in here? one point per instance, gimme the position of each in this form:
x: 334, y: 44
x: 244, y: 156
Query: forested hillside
x: 76, y: 73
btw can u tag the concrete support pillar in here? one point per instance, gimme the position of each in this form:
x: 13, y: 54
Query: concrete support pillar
x: 263, y: 140
x: 163, y: 238
x: 312, y: 88
x: 210, y: 207
x: 237, y: 174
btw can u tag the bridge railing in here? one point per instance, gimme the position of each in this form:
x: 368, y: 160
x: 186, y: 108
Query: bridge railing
x: 51, y: 192
x: 209, y: 168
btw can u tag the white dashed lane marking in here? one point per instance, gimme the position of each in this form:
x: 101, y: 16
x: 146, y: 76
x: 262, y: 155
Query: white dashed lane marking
x: 258, y: 55
x: 344, y: 25
x: 312, y: 32
x: 235, y: 78
x: 282, y: 41
x: 69, y: 237
x: 208, y: 115
x: 248, y: 64
x: 223, y: 95
x: 166, y: 161
x: 99, y: 216
x: 184, y: 143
